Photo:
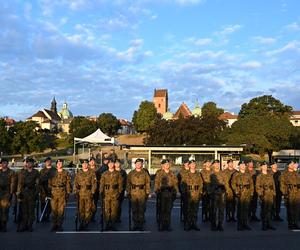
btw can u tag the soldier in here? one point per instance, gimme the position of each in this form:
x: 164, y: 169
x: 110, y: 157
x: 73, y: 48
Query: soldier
x: 28, y: 190
x: 124, y: 180
x: 182, y: 183
x: 265, y: 188
x: 192, y: 189
x: 93, y: 167
x: 242, y: 185
x: 7, y: 189
x: 278, y: 197
x: 218, y: 189
x: 289, y: 187
x: 111, y: 186
x: 138, y: 190
x: 206, y: 206
x: 166, y: 186
x: 230, y: 199
x: 45, y: 174
x: 85, y: 185
x: 253, y: 205
x: 59, y: 187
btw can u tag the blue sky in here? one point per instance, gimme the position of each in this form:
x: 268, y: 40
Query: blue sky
x: 109, y: 55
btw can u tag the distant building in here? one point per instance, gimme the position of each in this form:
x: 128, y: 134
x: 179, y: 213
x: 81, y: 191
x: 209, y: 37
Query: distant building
x: 295, y: 118
x: 126, y: 127
x: 229, y: 118
x: 51, y: 120
x: 182, y: 112
x: 9, y: 122
x: 160, y: 100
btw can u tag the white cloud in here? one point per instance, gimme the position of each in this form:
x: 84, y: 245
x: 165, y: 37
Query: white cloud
x: 292, y: 46
x: 264, y: 40
x: 228, y: 30
x: 251, y: 65
x: 188, y: 2
x: 292, y: 27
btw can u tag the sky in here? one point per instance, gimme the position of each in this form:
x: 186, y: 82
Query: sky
x: 109, y: 55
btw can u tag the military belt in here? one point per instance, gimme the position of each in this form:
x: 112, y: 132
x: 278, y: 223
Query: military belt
x: 133, y: 186
x: 244, y: 186
x: 115, y: 186
x: 59, y: 186
x: 220, y: 187
x: 193, y: 187
x: 87, y: 187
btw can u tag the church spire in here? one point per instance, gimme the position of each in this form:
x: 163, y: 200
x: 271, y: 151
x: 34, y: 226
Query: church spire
x: 53, y: 105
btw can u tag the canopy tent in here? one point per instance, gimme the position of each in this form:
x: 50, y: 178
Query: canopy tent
x: 97, y: 138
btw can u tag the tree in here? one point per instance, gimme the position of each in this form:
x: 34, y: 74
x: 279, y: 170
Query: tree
x: 5, y: 137
x: 145, y: 117
x: 261, y: 134
x: 211, y: 109
x: 108, y: 123
x: 264, y: 105
x: 190, y: 131
x: 81, y: 127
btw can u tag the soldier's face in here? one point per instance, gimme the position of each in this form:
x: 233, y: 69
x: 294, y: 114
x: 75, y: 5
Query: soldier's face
x: 230, y: 165
x: 4, y: 165
x: 111, y: 165
x: 193, y: 166
x: 92, y: 163
x: 295, y: 166
x: 250, y: 165
x: 264, y: 168
x: 274, y: 167
x: 242, y: 167
x: 59, y: 165
x: 117, y: 165
x: 166, y: 166
x: 29, y: 165
x: 186, y: 165
x: 216, y: 166
x: 84, y: 165
x: 138, y: 165
x: 48, y: 163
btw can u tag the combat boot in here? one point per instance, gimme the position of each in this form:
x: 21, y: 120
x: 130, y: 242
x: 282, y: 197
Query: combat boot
x: 220, y: 227
x: 30, y: 228
x: 54, y: 228
x: 271, y: 227
x: 4, y: 228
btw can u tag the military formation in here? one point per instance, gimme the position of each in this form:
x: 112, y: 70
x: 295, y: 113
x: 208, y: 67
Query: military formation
x: 232, y: 194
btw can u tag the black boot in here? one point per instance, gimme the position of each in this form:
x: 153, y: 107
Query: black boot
x: 3, y: 227
x: 271, y: 227
x: 220, y: 227
x: 54, y: 228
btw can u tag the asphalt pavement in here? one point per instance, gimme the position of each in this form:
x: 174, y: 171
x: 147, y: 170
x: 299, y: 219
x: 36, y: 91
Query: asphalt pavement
x: 41, y: 238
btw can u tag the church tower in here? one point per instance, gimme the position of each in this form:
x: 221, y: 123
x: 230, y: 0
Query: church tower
x: 53, y: 106
x: 160, y: 100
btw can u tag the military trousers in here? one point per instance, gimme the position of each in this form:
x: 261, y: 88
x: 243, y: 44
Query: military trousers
x: 138, y: 206
x: 218, y: 206
x: 58, y: 205
x: 4, y: 209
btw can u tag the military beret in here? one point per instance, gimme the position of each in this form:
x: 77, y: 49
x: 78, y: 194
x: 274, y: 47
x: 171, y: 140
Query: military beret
x: 191, y: 161
x: 230, y: 160
x: 84, y: 161
x: 164, y: 161
x: 215, y: 161
x: 185, y: 160
x: 263, y: 163
x: 118, y: 160
x: 105, y: 159
x: 241, y: 162
x: 273, y: 163
x: 139, y: 160
x: 31, y: 160
x: 205, y: 161
x: 291, y: 161
x: 48, y: 159
x: 59, y: 160
x: 92, y: 159
x: 112, y: 160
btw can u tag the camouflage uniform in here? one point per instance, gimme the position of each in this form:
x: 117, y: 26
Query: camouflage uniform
x: 28, y: 190
x: 290, y: 188
x: 218, y: 189
x: 230, y: 199
x: 7, y: 188
x: 45, y: 175
x: 96, y: 194
x: 192, y: 188
x: 182, y: 176
x: 59, y: 187
x: 206, y: 206
x: 242, y: 185
x: 85, y: 185
x: 166, y: 187
x: 111, y: 186
x: 121, y: 197
x: 253, y: 203
x: 138, y: 189
x: 265, y: 188
x: 278, y: 197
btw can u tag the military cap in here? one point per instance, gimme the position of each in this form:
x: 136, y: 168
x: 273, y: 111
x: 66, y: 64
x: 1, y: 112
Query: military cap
x: 48, y: 159
x: 215, y: 161
x: 84, y: 161
x: 230, y: 160
x: 263, y: 163
x: 164, y: 161
x: 4, y: 160
x: 139, y: 160
x: 191, y: 161
x: 241, y: 162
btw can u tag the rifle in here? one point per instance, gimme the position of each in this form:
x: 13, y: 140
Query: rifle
x: 48, y: 199
x: 77, y: 213
x: 129, y: 213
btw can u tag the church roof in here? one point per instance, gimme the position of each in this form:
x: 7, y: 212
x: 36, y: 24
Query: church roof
x: 53, y: 115
x: 227, y: 115
x: 65, y: 113
x: 160, y: 92
x: 39, y: 114
x: 183, y: 111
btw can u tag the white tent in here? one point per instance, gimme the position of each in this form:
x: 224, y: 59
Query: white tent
x: 96, y: 138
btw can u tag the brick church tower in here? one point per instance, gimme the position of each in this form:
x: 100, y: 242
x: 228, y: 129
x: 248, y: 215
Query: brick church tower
x: 160, y: 100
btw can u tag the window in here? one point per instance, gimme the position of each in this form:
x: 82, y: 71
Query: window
x: 159, y: 105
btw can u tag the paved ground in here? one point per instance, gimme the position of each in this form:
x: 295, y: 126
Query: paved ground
x: 43, y: 239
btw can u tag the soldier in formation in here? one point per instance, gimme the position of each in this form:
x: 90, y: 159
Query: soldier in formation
x: 206, y: 206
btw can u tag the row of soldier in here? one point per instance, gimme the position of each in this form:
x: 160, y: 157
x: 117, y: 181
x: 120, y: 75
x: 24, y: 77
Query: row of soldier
x: 219, y: 190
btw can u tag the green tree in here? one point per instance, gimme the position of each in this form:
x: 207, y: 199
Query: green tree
x: 5, y: 137
x: 145, y: 117
x: 108, y: 123
x: 81, y: 127
x: 211, y: 109
x: 264, y: 105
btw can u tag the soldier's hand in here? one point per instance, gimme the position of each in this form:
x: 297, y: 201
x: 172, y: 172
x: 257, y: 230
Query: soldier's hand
x: 149, y: 196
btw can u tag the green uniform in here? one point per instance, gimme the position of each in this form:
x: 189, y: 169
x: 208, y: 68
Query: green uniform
x: 253, y: 203
x: 230, y: 198
x: 206, y: 205
x: 138, y: 189
x: 111, y: 186
x: 85, y: 185
x: 96, y: 194
x: 218, y: 189
x: 7, y: 188
x: 182, y: 176
x: 278, y: 196
x: 242, y: 185
x: 290, y: 188
x: 265, y: 188
x: 45, y: 175
x: 59, y: 187
x: 166, y: 187
x: 28, y: 190
x: 193, y: 189
x: 121, y: 197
